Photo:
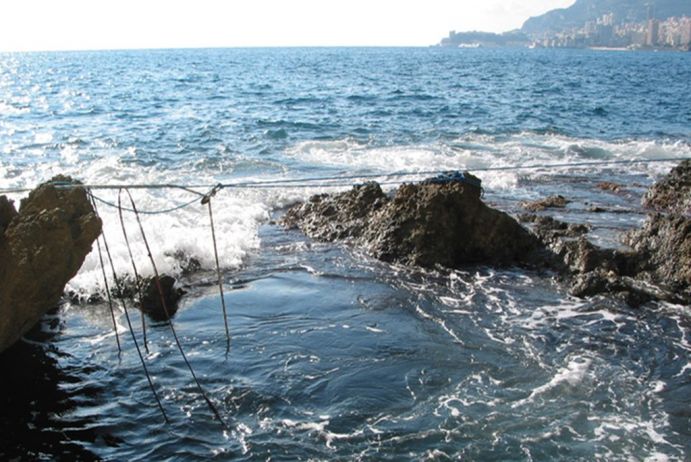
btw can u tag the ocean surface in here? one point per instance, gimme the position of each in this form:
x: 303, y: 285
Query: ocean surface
x: 334, y: 355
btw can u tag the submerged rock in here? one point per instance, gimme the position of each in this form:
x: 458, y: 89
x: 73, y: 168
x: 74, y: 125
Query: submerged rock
x: 42, y: 248
x: 610, y: 187
x: 424, y: 224
x: 550, y: 202
x: 150, y: 302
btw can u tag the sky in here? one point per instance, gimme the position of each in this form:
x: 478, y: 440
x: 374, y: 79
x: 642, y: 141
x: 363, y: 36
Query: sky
x: 33, y: 25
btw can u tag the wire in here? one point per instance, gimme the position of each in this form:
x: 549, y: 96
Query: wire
x: 157, y: 280
x: 127, y: 317
x: 148, y: 212
x: 306, y: 181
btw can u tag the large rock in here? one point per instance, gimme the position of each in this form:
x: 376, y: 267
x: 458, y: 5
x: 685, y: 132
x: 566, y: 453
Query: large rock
x: 41, y: 249
x: 672, y: 194
x: 424, y: 224
x: 664, y: 241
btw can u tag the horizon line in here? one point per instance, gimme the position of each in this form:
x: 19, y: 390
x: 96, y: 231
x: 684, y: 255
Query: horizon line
x: 210, y: 47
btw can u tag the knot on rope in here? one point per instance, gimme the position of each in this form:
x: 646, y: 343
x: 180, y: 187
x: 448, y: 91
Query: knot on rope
x: 207, y: 197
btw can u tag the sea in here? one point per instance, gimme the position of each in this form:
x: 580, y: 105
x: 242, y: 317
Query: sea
x: 334, y: 355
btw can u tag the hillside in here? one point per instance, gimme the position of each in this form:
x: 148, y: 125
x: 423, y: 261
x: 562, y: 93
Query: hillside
x: 587, y: 10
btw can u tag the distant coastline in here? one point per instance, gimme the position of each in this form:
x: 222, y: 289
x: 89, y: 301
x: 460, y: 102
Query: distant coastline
x: 592, y: 25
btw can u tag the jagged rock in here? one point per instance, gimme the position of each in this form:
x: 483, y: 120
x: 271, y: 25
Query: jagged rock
x: 428, y: 224
x: 664, y: 241
x: 550, y: 202
x: 673, y: 192
x: 664, y: 244
x: 150, y: 302
x: 42, y: 248
x: 448, y: 225
x: 7, y: 213
x: 344, y: 216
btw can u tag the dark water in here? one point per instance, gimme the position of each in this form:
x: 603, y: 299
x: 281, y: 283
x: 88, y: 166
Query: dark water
x: 335, y: 356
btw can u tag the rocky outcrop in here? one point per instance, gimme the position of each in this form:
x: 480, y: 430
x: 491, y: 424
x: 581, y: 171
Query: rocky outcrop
x: 588, y: 269
x: 446, y: 223
x: 658, y: 264
x: 664, y: 241
x: 427, y: 224
x: 672, y: 194
x: 41, y: 248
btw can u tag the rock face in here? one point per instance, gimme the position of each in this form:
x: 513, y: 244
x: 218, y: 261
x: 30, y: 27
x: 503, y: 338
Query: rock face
x: 41, y: 248
x: 664, y: 241
x: 672, y: 194
x: 427, y: 224
x: 658, y: 266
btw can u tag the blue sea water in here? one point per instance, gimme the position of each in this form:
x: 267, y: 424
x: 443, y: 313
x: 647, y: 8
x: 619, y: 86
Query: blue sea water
x: 336, y: 356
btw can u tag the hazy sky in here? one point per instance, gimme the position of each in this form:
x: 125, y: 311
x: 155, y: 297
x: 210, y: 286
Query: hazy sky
x: 104, y: 24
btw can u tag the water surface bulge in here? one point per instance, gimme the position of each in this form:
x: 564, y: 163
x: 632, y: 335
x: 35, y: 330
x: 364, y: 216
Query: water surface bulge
x: 336, y: 356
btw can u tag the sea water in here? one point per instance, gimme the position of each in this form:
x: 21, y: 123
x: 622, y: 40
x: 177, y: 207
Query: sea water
x: 334, y: 355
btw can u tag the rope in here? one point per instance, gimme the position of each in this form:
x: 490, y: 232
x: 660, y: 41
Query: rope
x: 207, y: 199
x: 305, y: 181
x: 105, y: 283
x: 146, y: 212
x: 129, y: 323
x: 170, y: 321
x: 137, y: 278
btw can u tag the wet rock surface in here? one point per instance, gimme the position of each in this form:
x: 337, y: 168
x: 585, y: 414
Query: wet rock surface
x: 448, y: 225
x: 428, y: 224
x: 42, y: 248
x: 151, y: 303
x: 658, y: 264
x: 664, y: 241
x: 551, y: 202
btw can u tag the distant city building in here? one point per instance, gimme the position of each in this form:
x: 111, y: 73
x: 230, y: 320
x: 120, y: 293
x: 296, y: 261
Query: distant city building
x: 653, y: 30
x: 673, y: 33
x: 604, y: 31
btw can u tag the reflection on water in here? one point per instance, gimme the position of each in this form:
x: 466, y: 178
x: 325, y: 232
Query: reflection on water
x: 337, y: 356
x: 42, y: 402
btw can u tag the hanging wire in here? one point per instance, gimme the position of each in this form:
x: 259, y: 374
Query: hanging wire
x: 107, y: 288
x: 207, y: 200
x: 137, y: 278
x: 213, y: 408
x: 308, y: 182
x: 119, y: 288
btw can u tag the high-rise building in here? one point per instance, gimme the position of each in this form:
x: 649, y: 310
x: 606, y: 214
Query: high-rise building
x: 686, y: 32
x: 652, y: 33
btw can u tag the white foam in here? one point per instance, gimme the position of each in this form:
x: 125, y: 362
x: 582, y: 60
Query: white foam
x: 238, y: 213
x: 477, y: 152
x: 237, y: 217
x: 572, y: 374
